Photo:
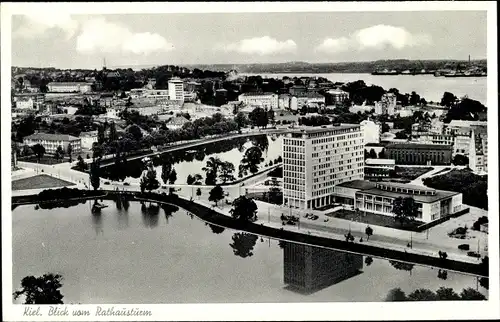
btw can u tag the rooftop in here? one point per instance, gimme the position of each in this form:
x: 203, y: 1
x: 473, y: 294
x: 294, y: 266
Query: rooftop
x: 438, y: 194
x: 418, y: 146
x: 257, y: 94
x: 380, y: 161
x: 358, y: 184
x: 319, y: 129
x: 68, y: 83
x: 51, y: 137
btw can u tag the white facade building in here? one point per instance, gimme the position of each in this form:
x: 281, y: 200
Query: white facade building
x: 69, y: 87
x: 316, y: 159
x: 88, y: 139
x: 25, y: 103
x: 264, y: 100
x: 176, y: 89
x: 387, y: 104
x: 371, y: 131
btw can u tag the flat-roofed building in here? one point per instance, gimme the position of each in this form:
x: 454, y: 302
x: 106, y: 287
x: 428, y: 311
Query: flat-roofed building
x: 264, y: 100
x: 376, y: 169
x: 419, y: 154
x: 386, y: 105
x: 52, y: 141
x: 88, y: 139
x: 432, y: 204
x: 315, y: 159
x: 176, y: 89
x: 69, y: 87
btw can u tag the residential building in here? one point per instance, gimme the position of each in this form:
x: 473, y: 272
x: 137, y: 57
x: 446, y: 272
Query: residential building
x: 264, y: 100
x: 335, y: 97
x: 284, y: 101
x: 310, y: 98
x: 88, y: 139
x: 190, y: 96
x: 25, y: 103
x: 176, y: 122
x: 478, y: 152
x: 176, y: 89
x: 297, y: 90
x: 432, y: 204
x: 69, y: 87
x: 422, y: 154
x: 371, y: 131
x: 38, y: 100
x: 432, y: 138
x: 315, y: 159
x: 386, y: 105
x: 376, y: 169
x: 52, y: 141
x: 308, y: 268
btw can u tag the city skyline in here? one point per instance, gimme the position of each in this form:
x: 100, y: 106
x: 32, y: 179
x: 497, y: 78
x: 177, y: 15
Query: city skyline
x: 83, y: 41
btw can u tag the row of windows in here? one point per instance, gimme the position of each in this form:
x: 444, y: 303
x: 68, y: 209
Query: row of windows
x: 294, y: 142
x: 294, y: 168
x: 293, y: 155
x: 352, y: 144
x: 295, y: 162
x: 294, y: 181
x: 295, y: 194
x: 322, y: 192
x: 340, y: 153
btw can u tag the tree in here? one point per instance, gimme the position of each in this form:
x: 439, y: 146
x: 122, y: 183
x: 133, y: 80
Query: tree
x: 95, y: 179
x: 172, y: 176
x: 197, y: 179
x: 368, y: 260
x: 460, y: 159
x: 381, y: 154
x: 259, y: 117
x: 211, y: 168
x: 484, y: 282
x: 368, y: 232
x: 227, y: 170
x: 385, y: 127
x: 148, y: 180
x: 198, y: 192
x: 252, y: 158
x: 100, y: 135
x: 39, y: 151
x: 241, y: 119
x: 422, y: 294
x: 81, y: 164
x: 70, y: 151
x: 97, y: 151
x: 275, y: 195
x: 448, y: 99
x: 414, y: 98
x: 190, y: 180
x: 216, y: 194
x: 113, y: 135
x: 59, y: 153
x: 396, y: 295
x: 41, y: 290
x: 243, y: 244
x: 166, y: 168
x: 244, y: 209
x: 447, y: 294
x: 405, y: 210
x: 472, y: 295
x: 372, y: 154
x: 135, y: 131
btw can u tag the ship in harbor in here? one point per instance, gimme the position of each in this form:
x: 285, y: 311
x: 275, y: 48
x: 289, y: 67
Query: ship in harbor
x: 469, y: 71
x: 385, y: 72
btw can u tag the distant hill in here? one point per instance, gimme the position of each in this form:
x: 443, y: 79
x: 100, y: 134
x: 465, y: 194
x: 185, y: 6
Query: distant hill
x: 344, y: 67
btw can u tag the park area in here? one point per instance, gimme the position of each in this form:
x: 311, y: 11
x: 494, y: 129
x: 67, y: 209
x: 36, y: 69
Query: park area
x: 374, y: 219
x: 39, y: 182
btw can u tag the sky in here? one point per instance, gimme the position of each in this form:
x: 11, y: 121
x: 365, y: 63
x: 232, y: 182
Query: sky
x: 55, y: 39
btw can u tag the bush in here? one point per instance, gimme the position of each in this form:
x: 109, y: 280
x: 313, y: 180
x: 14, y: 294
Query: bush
x: 473, y: 254
x: 477, y: 224
x: 463, y: 247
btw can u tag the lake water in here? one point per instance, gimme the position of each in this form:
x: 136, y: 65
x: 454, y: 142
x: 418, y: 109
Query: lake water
x: 427, y: 86
x: 136, y: 255
x: 191, y: 162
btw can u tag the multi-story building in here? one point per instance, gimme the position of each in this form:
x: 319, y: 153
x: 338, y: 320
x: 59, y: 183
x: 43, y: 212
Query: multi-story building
x: 336, y: 96
x: 29, y: 100
x: 297, y: 90
x: 376, y: 169
x: 310, y: 98
x: 315, y: 159
x: 176, y: 89
x: 433, y: 138
x: 422, y: 154
x: 284, y: 101
x: 432, y: 204
x: 386, y: 105
x: 88, y: 139
x: 264, y: 100
x: 371, y: 131
x: 52, y: 141
x: 69, y: 87
x: 478, y: 152
x: 310, y: 268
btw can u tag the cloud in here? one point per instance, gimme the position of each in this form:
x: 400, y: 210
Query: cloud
x: 375, y: 37
x: 99, y: 35
x: 35, y: 24
x: 261, y: 46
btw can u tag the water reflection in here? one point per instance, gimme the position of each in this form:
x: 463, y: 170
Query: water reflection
x: 216, y: 229
x: 150, y: 213
x: 402, y: 266
x: 169, y: 210
x: 368, y: 260
x: 308, y: 269
x: 243, y: 244
x: 97, y: 223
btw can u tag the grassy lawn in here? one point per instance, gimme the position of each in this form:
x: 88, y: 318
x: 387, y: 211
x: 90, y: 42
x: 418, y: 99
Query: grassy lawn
x: 411, y: 173
x: 39, y: 182
x: 374, y: 219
